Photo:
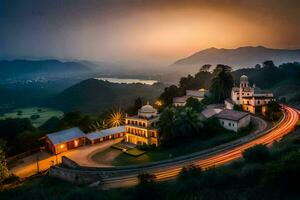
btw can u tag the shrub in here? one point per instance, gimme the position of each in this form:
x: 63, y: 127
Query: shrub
x: 258, y: 153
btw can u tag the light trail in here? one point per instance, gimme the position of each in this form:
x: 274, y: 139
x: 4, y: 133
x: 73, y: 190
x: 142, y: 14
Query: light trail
x: 170, y: 171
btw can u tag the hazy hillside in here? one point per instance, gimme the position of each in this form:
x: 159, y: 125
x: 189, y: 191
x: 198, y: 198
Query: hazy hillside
x: 29, y: 68
x: 236, y: 58
x: 94, y: 96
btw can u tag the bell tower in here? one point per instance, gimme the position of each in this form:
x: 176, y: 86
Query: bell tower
x: 244, y: 83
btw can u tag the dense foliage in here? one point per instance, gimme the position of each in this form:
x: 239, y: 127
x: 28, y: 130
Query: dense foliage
x: 20, y: 135
x: 221, y: 84
x: 179, y: 124
x: 273, y: 111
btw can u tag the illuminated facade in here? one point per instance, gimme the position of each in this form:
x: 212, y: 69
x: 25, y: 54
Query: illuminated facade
x: 65, y: 140
x: 252, y: 99
x: 141, y: 129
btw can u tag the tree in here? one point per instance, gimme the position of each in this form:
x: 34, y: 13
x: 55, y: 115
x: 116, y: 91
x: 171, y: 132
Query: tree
x: 273, y: 111
x: 205, y: 68
x: 187, y: 123
x: 222, y: 83
x: 270, y: 74
x: 4, y: 173
x: 194, y: 104
x: 188, y: 183
x: 169, y: 93
x: 147, y: 188
x: 166, y: 125
x: 259, y: 153
x: 138, y: 103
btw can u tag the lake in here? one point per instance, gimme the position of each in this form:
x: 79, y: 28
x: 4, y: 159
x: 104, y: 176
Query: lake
x: 127, y: 80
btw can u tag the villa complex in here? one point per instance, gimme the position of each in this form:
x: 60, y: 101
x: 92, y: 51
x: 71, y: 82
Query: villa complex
x: 252, y: 99
x: 140, y: 129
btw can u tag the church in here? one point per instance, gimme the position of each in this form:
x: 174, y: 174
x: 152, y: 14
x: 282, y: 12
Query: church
x: 252, y: 99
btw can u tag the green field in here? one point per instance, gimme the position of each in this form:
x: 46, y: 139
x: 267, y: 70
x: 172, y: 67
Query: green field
x: 43, y: 114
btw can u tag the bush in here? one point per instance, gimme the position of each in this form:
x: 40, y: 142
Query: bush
x: 11, y: 179
x: 258, y: 153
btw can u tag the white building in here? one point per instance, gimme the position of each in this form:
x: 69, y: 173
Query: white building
x: 197, y: 94
x: 252, y: 99
x: 141, y: 129
x: 233, y: 120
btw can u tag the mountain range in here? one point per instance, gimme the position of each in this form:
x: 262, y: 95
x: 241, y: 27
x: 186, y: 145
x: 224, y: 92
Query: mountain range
x: 29, y: 68
x: 242, y: 57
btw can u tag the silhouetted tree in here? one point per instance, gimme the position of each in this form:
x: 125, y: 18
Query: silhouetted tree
x: 194, y: 103
x: 222, y: 83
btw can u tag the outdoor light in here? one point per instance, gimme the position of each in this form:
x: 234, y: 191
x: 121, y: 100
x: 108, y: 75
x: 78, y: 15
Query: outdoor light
x: 62, y: 146
x: 116, y: 119
x: 158, y: 103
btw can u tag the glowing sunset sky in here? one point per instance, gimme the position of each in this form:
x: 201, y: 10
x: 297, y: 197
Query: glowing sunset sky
x: 138, y: 31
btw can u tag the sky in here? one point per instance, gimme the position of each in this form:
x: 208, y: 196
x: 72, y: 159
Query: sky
x: 142, y: 32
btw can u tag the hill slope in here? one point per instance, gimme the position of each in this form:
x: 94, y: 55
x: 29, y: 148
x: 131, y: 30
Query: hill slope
x: 30, y: 68
x: 237, y: 58
x: 93, y: 96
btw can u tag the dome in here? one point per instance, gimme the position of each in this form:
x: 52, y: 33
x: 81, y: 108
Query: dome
x: 244, y: 78
x: 147, y: 109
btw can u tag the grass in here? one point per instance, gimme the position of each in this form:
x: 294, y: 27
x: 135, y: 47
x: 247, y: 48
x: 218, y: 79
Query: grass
x: 119, y: 146
x: 134, y: 152
x: 43, y: 113
x: 130, y: 151
x: 115, y: 157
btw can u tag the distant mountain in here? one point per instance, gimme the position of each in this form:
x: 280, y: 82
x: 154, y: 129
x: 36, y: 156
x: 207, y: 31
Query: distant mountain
x: 29, y: 68
x: 94, y: 96
x: 236, y: 58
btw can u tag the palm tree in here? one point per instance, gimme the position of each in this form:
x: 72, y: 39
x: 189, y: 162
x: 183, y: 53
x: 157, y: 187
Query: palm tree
x: 166, y: 125
x: 222, y: 83
x: 187, y: 123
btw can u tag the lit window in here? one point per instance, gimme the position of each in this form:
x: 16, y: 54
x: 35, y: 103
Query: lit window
x: 62, y: 146
x: 76, y: 142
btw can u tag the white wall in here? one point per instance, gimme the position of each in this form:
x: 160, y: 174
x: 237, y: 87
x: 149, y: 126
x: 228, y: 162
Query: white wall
x: 229, y: 124
x: 244, y: 122
x: 234, y: 125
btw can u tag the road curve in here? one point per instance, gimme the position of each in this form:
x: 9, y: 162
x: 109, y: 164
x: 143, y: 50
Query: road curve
x: 171, y: 170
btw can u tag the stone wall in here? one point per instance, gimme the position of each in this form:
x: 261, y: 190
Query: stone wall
x: 75, y: 176
x: 69, y: 163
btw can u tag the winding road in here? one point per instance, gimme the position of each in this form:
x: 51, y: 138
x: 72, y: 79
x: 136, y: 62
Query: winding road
x: 125, y: 177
